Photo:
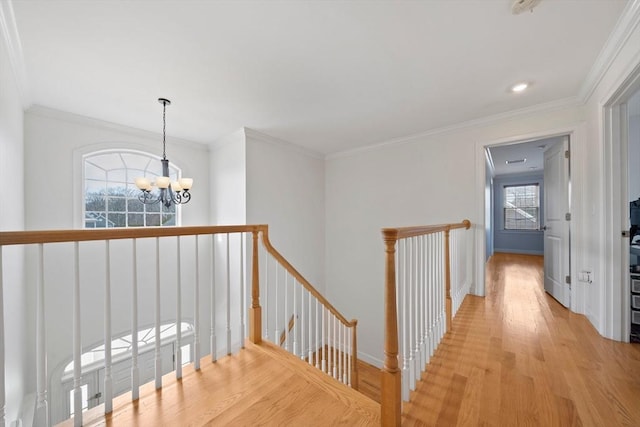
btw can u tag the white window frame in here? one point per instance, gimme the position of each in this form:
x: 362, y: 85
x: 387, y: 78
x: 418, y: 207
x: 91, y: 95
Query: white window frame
x: 151, y: 170
x: 505, y: 207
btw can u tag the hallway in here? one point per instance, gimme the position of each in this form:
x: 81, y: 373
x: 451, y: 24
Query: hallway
x: 517, y: 357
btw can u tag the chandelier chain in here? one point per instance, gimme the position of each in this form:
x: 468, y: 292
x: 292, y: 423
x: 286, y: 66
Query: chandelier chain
x: 164, y: 130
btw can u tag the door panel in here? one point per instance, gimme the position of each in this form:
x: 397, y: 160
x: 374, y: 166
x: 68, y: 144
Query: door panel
x: 556, y: 228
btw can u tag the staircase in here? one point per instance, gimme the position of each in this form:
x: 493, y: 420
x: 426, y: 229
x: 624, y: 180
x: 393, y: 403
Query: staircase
x: 261, y: 385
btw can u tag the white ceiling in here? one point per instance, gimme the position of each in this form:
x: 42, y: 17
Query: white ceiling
x: 532, y: 152
x: 327, y: 75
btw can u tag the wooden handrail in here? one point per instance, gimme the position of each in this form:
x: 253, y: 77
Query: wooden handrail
x: 398, y: 233
x: 61, y: 236
x: 391, y: 406
x: 304, y: 282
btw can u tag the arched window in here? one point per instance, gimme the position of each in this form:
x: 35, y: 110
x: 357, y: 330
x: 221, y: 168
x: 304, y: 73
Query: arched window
x: 111, y: 196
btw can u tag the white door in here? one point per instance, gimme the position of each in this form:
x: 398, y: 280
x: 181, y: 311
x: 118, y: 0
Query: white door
x: 556, y: 222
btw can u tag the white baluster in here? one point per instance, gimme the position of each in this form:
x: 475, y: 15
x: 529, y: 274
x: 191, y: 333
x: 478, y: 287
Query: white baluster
x: 318, y: 317
x: 77, y: 345
x: 416, y: 316
x: 158, y: 356
x: 3, y: 398
x: 212, y: 333
x: 178, y: 310
x: 339, y: 350
x: 303, y: 323
x: 310, y: 344
x: 441, y: 288
x: 296, y: 344
x: 243, y: 290
x: 276, y: 337
x: 423, y: 303
x: 42, y: 403
x: 344, y: 355
x: 430, y: 292
x: 286, y: 311
x: 228, y: 299
x: 266, y: 295
x: 403, y: 273
x: 135, y: 370
x: 196, y: 311
x: 334, y: 346
x: 108, y: 379
x: 410, y: 320
x: 323, y: 349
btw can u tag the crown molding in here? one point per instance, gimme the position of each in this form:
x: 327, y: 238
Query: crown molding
x: 281, y: 143
x: 51, y: 113
x: 13, y: 45
x: 485, y: 121
x: 623, y: 29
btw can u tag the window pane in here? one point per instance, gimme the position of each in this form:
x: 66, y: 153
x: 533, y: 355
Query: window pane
x: 117, y: 204
x: 153, y: 220
x: 118, y: 176
x: 135, y: 205
x: 136, y: 220
x: 116, y: 220
x: 168, y: 219
x: 95, y: 202
x: 521, y: 207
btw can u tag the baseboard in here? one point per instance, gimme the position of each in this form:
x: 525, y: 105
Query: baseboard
x: 370, y: 359
x: 518, y: 251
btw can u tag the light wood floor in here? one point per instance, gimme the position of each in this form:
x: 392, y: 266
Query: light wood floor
x: 261, y: 385
x: 518, y: 358
x: 514, y: 358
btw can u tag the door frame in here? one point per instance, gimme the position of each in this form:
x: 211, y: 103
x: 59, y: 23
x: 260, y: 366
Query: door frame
x: 576, y: 133
x: 615, y: 300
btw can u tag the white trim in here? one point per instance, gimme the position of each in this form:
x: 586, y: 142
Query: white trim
x: 517, y: 251
x: 623, y: 29
x: 14, y: 51
x: 484, y: 121
x: 614, y: 300
x: 378, y: 363
x: 68, y: 117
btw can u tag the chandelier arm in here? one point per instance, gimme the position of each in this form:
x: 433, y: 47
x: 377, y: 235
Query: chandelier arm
x: 186, y: 196
x: 147, y: 198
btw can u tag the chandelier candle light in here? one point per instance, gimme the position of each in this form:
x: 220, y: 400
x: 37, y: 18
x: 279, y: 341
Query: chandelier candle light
x: 176, y: 192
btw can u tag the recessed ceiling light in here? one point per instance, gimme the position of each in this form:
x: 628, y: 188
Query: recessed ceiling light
x: 512, y: 162
x: 519, y: 87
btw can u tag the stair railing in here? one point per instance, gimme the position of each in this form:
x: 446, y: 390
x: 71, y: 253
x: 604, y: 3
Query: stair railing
x: 301, y: 320
x: 427, y: 275
x: 165, y: 265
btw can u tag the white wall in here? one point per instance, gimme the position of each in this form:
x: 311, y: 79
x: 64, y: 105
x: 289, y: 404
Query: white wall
x: 228, y: 180
x: 428, y: 179
x: 285, y: 189
x: 18, y: 350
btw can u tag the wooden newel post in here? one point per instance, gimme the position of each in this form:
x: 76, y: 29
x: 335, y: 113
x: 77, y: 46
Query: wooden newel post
x: 354, y: 355
x: 447, y: 278
x: 390, y: 376
x: 255, y: 314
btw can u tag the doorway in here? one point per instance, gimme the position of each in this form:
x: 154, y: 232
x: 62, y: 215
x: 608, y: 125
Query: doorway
x: 527, y: 207
x: 620, y: 178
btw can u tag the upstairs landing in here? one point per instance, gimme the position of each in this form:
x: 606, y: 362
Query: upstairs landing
x: 261, y: 385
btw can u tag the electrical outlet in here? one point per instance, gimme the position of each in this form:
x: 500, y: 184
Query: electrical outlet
x: 584, y: 276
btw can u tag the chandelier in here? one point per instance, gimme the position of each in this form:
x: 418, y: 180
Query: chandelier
x: 170, y: 193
